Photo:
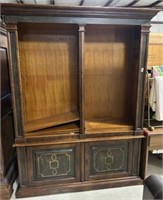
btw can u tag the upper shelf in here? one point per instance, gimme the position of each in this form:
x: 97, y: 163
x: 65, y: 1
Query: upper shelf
x: 47, y: 122
x: 106, y: 125
x: 66, y: 129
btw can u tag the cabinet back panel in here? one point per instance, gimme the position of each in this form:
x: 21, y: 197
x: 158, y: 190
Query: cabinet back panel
x: 107, y: 70
x: 48, y: 70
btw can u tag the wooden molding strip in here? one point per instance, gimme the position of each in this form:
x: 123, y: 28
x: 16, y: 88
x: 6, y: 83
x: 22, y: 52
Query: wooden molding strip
x: 85, y: 140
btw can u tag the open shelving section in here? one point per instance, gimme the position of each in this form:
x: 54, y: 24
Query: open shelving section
x: 48, y: 74
x: 109, y: 66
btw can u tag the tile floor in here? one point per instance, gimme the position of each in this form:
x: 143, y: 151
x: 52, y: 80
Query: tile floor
x: 155, y: 166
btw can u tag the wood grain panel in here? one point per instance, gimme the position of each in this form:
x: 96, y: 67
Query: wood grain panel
x: 107, y: 69
x: 105, y: 126
x: 51, y: 121
x: 48, y: 73
x: 155, y: 50
x: 156, y: 142
x: 70, y: 128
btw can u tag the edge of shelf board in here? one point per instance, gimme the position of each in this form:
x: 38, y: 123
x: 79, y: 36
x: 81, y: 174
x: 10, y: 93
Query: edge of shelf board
x: 48, y: 122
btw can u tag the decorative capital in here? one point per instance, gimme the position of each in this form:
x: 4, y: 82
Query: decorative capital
x: 145, y: 28
x: 11, y: 27
x: 82, y: 27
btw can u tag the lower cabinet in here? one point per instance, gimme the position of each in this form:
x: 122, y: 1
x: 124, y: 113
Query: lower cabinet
x: 78, y: 166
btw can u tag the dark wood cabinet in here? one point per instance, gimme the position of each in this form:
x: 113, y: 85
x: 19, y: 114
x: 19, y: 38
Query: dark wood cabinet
x: 8, y: 167
x: 78, y: 87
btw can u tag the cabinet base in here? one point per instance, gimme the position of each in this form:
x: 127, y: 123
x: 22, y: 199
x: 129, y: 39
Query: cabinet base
x: 76, y: 187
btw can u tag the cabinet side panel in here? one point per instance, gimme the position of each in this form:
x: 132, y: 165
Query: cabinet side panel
x: 14, y: 77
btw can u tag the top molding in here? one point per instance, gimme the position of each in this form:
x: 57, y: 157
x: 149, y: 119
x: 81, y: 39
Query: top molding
x: 82, y: 14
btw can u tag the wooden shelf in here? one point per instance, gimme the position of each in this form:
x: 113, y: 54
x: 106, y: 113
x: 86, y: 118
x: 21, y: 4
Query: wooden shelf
x: 51, y: 121
x: 106, y: 125
x: 70, y: 128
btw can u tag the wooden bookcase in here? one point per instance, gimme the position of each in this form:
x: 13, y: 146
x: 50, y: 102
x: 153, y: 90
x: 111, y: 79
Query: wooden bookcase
x: 78, y: 87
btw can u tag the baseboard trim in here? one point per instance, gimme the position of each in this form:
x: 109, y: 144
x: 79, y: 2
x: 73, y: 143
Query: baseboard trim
x: 76, y: 187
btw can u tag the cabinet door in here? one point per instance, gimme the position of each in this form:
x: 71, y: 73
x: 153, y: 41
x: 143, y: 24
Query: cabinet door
x: 48, y: 164
x: 108, y: 159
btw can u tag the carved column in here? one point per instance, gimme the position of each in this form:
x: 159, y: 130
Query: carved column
x: 144, y: 37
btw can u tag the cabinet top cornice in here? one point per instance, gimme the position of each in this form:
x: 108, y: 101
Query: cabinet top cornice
x: 78, y: 12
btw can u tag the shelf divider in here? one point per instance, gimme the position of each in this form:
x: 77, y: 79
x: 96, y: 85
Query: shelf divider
x: 81, y: 76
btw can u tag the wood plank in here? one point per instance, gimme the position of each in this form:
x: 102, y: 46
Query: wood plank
x: 49, y: 84
x: 105, y: 126
x: 51, y: 121
x: 157, y: 131
x: 70, y: 128
x: 156, y: 142
x: 155, y: 50
x: 66, y: 141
